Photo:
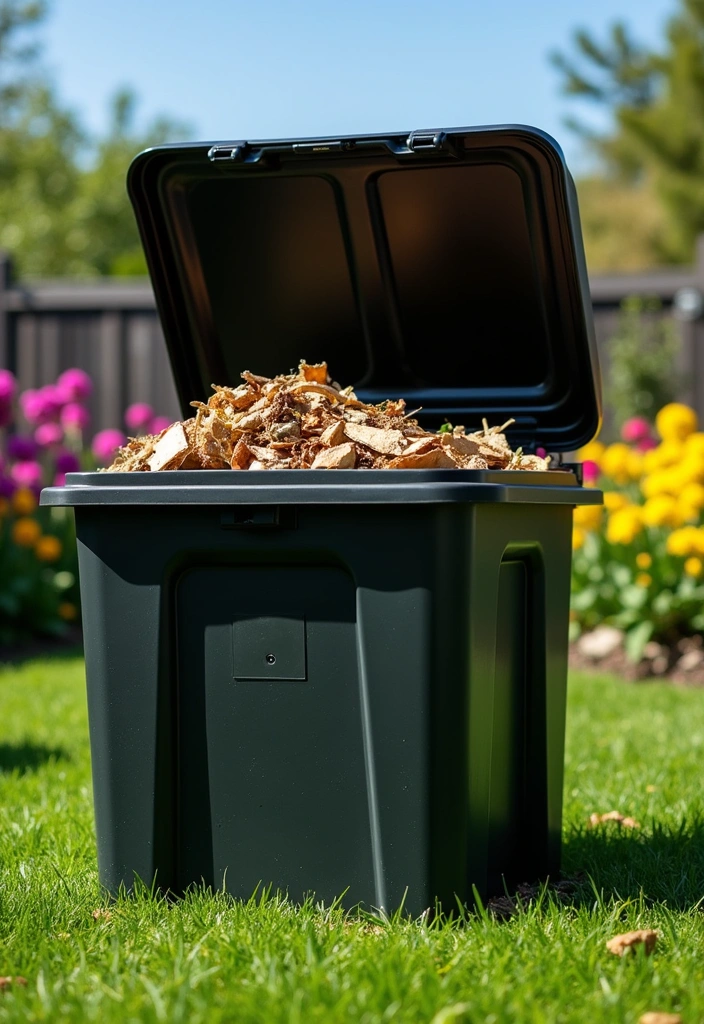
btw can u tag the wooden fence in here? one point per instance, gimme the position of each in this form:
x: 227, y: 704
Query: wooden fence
x: 110, y: 328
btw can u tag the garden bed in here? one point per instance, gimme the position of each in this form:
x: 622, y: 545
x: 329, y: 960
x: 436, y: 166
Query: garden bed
x: 604, y: 650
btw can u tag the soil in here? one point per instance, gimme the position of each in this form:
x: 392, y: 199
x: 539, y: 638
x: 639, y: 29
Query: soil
x: 681, y: 663
x: 44, y: 647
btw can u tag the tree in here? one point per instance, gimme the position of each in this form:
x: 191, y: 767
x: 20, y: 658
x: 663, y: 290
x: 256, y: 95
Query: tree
x: 656, y: 99
x: 63, y: 204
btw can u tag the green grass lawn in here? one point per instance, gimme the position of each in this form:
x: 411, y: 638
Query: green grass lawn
x: 638, y: 749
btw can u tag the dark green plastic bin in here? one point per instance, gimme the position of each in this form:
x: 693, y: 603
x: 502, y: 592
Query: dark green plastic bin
x: 346, y: 681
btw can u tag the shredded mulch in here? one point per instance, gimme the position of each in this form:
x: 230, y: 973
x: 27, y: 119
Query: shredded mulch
x: 305, y: 420
x: 680, y: 662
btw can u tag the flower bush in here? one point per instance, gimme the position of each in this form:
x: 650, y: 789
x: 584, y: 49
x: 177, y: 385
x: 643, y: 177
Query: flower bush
x: 639, y: 562
x: 43, y: 436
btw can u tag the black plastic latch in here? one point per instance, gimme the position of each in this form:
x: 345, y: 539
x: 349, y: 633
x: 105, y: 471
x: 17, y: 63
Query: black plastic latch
x: 323, y: 146
x: 426, y: 140
x: 228, y: 151
x: 258, y: 517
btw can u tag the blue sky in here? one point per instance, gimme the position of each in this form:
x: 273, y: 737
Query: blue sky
x: 272, y: 68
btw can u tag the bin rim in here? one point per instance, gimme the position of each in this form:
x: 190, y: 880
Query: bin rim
x: 322, y: 487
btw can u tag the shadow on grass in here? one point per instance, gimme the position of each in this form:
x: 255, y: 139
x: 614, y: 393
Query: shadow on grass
x: 27, y: 757
x: 665, y: 864
x: 55, y: 650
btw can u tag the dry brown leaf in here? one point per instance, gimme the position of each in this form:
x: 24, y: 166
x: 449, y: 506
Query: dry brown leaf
x: 386, y: 442
x: 7, y: 982
x: 316, y: 372
x: 659, y: 1017
x: 620, y: 819
x: 101, y: 914
x: 342, y: 456
x: 645, y: 937
x: 170, y: 450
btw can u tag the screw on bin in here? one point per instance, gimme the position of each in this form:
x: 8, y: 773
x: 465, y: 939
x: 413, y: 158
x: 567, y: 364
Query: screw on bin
x: 270, y: 659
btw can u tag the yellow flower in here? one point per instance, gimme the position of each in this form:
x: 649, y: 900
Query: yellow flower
x: 662, y: 510
x: 68, y: 611
x: 623, y: 526
x: 578, y: 536
x: 4, y: 507
x: 682, y: 542
x: 693, y: 567
x: 643, y: 560
x: 26, y: 532
x: 48, y: 549
x: 669, y: 453
x: 23, y: 501
x: 592, y: 452
x: 694, y: 445
x: 634, y: 465
x: 643, y: 579
x: 588, y: 516
x: 676, y: 422
x: 614, y: 500
x: 615, y: 461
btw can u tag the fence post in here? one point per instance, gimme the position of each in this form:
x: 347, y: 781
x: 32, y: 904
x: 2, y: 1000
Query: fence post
x: 693, y: 329
x: 5, y: 283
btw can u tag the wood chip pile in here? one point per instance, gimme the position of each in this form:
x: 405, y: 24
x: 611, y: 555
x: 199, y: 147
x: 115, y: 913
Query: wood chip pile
x: 305, y: 420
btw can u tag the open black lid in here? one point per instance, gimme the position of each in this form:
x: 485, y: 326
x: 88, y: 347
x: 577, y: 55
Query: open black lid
x: 444, y: 267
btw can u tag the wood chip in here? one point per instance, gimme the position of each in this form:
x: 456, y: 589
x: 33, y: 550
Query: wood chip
x: 8, y: 981
x: 342, y: 456
x: 620, y: 819
x: 334, y: 434
x: 316, y: 372
x: 386, y: 442
x: 645, y: 937
x: 436, y: 458
x: 658, y: 1017
x: 170, y: 450
x: 101, y: 914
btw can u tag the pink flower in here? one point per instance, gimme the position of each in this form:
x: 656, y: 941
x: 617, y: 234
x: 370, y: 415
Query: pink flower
x: 158, y: 424
x: 8, y: 386
x: 106, y: 443
x: 636, y: 429
x: 646, y: 444
x: 137, y: 416
x: 67, y: 462
x: 59, y: 480
x: 5, y: 413
x: 21, y: 449
x: 27, y: 474
x: 76, y: 384
x: 540, y: 452
x: 75, y: 416
x: 41, y: 406
x: 590, y: 471
x: 48, y: 434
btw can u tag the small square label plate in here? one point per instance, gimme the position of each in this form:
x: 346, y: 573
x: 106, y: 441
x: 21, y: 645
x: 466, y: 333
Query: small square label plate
x: 269, y: 648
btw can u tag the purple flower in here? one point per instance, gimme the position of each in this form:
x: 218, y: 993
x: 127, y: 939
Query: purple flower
x: 106, y: 443
x: 5, y: 413
x: 42, y: 406
x: 540, y: 452
x: 137, y: 416
x: 27, y: 474
x: 67, y: 462
x: 7, y: 487
x: 158, y: 424
x: 75, y: 416
x: 8, y: 386
x: 48, y: 434
x: 21, y: 449
x: 59, y: 480
x: 76, y: 384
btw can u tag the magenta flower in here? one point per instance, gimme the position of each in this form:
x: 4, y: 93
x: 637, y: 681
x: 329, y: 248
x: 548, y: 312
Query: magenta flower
x: 138, y: 416
x: 8, y: 386
x: 646, y: 444
x: 48, y: 434
x: 590, y: 471
x: 76, y: 384
x: 75, y: 416
x: 67, y: 462
x: 41, y: 406
x: 540, y: 452
x: 158, y: 424
x: 21, y: 449
x: 59, y: 480
x: 5, y: 413
x: 636, y: 429
x: 7, y: 486
x: 106, y: 443
x: 27, y: 474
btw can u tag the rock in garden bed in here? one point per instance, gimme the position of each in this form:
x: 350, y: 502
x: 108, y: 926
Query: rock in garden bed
x: 603, y: 650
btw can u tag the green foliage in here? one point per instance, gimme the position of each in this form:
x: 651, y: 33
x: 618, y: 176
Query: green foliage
x: 656, y: 98
x: 208, y: 959
x: 63, y: 204
x: 641, y: 355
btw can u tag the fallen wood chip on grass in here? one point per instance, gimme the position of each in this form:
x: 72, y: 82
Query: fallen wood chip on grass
x: 630, y: 940
x: 620, y: 819
x: 101, y: 915
x: 657, y: 1017
x: 8, y: 982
